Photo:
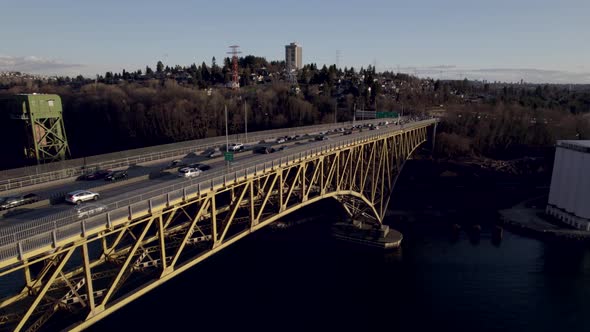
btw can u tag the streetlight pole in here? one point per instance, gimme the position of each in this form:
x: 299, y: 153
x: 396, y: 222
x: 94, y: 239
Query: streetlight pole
x: 226, y: 135
x: 353, y: 114
x: 369, y: 96
x: 363, y: 112
x: 246, y: 121
x: 336, y: 112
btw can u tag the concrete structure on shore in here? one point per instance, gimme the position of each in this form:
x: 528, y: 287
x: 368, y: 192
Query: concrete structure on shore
x: 367, y: 234
x: 569, y: 197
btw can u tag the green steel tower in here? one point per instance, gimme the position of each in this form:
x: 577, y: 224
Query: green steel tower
x: 35, y: 126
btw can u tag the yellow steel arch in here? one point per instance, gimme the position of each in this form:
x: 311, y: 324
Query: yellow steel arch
x: 90, y: 276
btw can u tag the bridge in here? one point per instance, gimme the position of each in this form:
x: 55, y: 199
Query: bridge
x: 65, y: 270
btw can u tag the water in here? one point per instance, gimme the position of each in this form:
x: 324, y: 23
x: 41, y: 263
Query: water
x: 301, y: 279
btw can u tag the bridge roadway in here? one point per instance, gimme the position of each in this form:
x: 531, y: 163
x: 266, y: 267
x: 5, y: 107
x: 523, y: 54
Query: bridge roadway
x: 14, y: 179
x: 139, y: 179
x: 52, y: 193
x: 54, y: 238
x: 124, y: 194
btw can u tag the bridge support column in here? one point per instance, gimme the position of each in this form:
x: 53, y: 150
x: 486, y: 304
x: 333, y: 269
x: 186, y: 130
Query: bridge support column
x: 367, y: 234
x: 434, y: 136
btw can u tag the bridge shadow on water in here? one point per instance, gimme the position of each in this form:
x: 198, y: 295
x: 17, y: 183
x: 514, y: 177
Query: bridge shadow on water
x: 297, y: 278
x: 455, y: 271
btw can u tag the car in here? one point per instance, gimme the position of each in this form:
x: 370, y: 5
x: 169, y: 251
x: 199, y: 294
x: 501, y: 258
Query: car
x: 116, y: 175
x: 7, y: 202
x: 14, y: 201
x: 263, y: 150
x: 214, y: 153
x: 282, y: 147
x: 175, y: 163
x: 348, y: 132
x: 236, y: 147
x: 79, y: 196
x: 202, y: 167
x: 280, y: 140
x: 87, y: 210
x: 321, y: 138
x: 188, y: 172
x: 98, y: 174
x: 323, y: 133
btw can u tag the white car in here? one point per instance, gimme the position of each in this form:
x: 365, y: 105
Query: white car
x: 236, y: 147
x: 188, y: 172
x: 280, y: 140
x: 79, y: 196
x: 86, y: 210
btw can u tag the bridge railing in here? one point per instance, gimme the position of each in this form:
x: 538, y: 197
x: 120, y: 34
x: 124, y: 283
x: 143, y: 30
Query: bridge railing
x: 18, y: 239
x: 31, y: 175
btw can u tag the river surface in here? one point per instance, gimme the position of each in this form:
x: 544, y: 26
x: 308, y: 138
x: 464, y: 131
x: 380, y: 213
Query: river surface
x: 300, y: 279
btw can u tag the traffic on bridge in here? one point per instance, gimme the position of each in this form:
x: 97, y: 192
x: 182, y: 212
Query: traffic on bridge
x: 115, y: 236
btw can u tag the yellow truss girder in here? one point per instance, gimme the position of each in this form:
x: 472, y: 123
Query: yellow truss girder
x: 169, y: 239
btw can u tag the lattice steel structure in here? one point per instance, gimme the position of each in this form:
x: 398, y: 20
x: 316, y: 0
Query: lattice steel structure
x: 35, y: 125
x: 234, y: 58
x: 88, y: 277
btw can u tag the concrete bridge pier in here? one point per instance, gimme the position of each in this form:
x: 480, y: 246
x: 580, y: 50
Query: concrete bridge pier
x: 367, y: 233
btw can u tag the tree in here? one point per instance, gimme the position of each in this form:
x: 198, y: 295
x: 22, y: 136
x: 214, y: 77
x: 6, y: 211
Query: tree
x: 216, y: 74
x: 148, y: 71
x: 205, y: 74
x: 159, y: 67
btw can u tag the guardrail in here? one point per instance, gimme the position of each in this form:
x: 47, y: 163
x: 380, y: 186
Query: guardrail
x: 28, y: 176
x: 17, y: 239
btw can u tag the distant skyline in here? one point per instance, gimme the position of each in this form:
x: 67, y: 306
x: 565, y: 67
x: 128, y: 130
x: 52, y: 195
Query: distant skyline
x: 537, y: 41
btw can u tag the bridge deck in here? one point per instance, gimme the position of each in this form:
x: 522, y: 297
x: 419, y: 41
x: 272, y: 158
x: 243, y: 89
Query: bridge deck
x: 168, y: 229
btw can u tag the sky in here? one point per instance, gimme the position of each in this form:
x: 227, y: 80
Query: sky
x: 538, y: 41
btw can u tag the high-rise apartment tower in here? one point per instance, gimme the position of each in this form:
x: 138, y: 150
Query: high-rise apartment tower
x: 293, y: 56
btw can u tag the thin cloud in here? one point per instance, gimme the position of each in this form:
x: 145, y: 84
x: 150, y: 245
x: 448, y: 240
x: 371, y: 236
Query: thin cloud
x: 441, y: 67
x: 530, y: 75
x: 34, y: 64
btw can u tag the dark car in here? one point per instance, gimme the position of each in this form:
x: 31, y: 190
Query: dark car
x: 98, y: 174
x: 348, y: 132
x: 263, y: 150
x: 202, y: 167
x: 116, y: 175
x: 14, y: 201
x: 175, y: 163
